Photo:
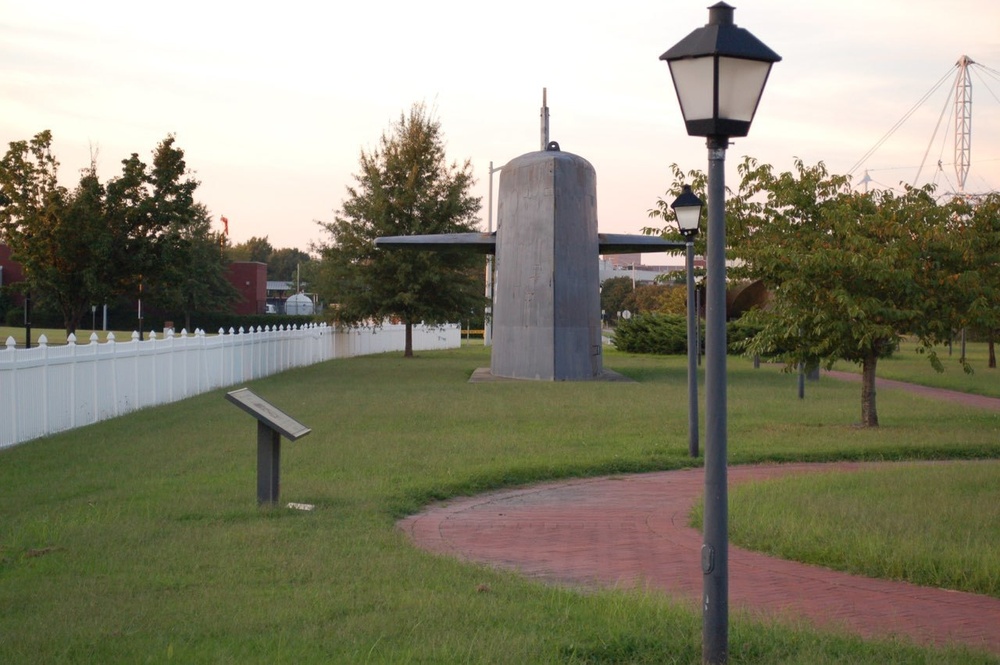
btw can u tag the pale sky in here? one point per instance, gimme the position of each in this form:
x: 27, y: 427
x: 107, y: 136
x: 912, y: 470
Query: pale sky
x: 272, y: 103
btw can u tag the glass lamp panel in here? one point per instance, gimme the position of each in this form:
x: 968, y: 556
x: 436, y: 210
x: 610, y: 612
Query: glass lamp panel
x: 693, y: 82
x: 741, y: 83
x: 688, y: 217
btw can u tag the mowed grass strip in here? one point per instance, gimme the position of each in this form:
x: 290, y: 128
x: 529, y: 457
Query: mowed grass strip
x: 139, y: 539
x: 929, y: 524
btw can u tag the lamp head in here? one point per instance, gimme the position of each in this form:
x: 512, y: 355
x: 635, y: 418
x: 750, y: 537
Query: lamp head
x: 719, y: 72
x: 687, y: 210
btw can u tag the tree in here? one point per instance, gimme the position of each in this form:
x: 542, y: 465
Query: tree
x: 285, y: 263
x: 662, y: 210
x: 656, y: 298
x: 850, y: 273
x: 60, y: 237
x: 979, y: 228
x: 183, y: 269
x: 128, y: 213
x: 613, y: 293
x: 254, y: 249
x: 193, y: 275
x: 404, y: 187
x: 161, y: 233
x: 87, y: 245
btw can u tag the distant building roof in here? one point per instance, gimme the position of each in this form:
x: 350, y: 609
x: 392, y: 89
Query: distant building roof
x: 279, y: 286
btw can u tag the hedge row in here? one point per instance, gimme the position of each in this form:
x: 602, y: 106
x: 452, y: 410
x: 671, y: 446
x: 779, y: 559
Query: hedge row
x: 126, y: 320
x: 666, y: 334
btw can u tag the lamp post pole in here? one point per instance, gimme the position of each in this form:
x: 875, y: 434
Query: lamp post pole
x: 692, y: 334
x: 715, y: 547
x: 719, y: 72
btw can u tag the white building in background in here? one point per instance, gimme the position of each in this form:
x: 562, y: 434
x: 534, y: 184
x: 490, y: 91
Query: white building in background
x: 639, y: 273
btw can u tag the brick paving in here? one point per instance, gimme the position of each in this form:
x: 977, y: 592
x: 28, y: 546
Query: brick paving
x: 626, y: 531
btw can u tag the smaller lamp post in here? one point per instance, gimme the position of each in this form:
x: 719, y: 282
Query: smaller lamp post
x: 687, y: 210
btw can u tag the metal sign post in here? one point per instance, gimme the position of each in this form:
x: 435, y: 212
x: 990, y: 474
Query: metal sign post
x: 272, y: 424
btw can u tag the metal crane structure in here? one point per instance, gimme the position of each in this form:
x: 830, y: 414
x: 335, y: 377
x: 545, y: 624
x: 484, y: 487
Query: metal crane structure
x: 961, y: 93
x: 963, y: 122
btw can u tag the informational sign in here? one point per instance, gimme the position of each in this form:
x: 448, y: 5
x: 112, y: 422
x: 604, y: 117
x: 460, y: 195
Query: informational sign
x: 272, y: 424
x: 267, y: 413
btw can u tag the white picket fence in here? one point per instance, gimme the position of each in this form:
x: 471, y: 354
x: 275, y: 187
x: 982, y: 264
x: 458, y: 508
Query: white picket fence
x: 48, y: 389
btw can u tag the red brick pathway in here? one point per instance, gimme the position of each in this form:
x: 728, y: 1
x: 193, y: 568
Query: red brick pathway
x: 632, y: 531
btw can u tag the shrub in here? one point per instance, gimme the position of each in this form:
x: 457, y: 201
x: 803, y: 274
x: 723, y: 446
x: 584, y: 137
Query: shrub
x: 665, y: 334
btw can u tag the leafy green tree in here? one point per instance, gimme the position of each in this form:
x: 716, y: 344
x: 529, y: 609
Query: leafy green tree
x: 978, y: 226
x: 84, y: 246
x: 128, y: 213
x: 653, y: 298
x: 59, y: 236
x: 662, y: 211
x: 193, y: 272
x: 404, y: 187
x: 254, y: 249
x: 184, y: 270
x: 285, y: 264
x: 310, y: 273
x: 850, y: 273
x: 613, y: 294
x: 161, y: 231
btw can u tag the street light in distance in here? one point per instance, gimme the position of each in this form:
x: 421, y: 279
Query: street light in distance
x: 687, y: 210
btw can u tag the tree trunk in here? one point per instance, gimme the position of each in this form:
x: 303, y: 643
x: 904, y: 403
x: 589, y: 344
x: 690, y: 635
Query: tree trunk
x: 993, y: 353
x: 71, y: 320
x: 408, y: 348
x: 869, y: 413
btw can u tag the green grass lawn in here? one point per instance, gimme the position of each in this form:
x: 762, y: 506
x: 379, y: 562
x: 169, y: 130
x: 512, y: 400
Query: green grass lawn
x: 910, y: 365
x: 55, y: 336
x: 851, y: 522
x: 139, y: 539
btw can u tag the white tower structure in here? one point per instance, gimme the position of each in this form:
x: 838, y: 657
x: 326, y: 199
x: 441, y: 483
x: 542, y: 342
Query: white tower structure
x: 963, y: 121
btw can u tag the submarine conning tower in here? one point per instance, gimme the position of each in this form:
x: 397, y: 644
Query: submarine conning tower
x: 547, y: 318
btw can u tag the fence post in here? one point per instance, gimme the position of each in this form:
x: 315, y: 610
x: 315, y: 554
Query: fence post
x: 15, y: 390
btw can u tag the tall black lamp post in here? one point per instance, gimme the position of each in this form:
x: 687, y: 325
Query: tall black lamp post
x: 687, y: 210
x: 719, y: 72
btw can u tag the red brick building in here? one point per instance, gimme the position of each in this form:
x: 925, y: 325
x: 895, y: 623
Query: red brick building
x: 250, y: 279
x: 10, y: 271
